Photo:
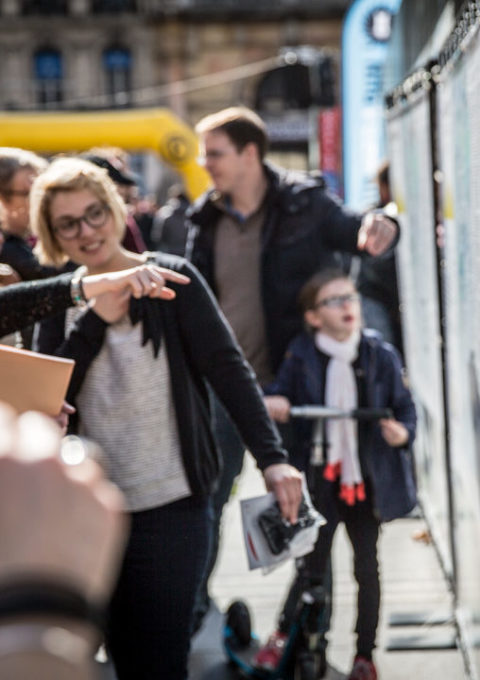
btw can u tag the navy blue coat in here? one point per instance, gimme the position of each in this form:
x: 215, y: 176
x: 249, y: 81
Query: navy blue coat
x: 378, y: 371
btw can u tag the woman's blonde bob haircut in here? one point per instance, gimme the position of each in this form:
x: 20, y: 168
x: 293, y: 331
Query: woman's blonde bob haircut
x: 69, y: 174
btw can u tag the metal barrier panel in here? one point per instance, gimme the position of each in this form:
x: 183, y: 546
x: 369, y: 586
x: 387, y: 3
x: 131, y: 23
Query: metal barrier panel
x: 458, y: 97
x: 410, y: 153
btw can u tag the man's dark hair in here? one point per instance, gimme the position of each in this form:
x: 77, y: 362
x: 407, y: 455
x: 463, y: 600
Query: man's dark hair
x: 242, y: 125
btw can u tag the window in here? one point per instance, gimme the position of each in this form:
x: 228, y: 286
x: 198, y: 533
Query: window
x: 105, y: 6
x: 117, y: 62
x: 297, y: 86
x: 48, y: 73
x: 44, y: 7
x: 284, y: 88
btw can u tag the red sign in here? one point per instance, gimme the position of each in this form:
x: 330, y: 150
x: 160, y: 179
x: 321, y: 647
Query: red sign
x: 330, y: 143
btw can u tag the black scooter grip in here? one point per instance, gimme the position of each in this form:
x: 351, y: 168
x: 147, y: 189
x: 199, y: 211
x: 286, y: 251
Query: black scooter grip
x: 372, y: 413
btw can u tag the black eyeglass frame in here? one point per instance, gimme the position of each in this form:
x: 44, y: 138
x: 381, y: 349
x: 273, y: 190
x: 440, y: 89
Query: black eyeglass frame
x: 337, y: 300
x: 77, y: 222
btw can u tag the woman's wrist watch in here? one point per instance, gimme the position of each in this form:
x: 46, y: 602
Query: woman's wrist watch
x: 77, y: 293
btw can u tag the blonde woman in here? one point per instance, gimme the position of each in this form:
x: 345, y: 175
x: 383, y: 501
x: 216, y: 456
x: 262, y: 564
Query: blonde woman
x: 139, y: 387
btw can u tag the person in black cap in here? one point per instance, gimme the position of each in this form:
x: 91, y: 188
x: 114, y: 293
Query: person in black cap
x: 116, y: 172
x: 114, y: 160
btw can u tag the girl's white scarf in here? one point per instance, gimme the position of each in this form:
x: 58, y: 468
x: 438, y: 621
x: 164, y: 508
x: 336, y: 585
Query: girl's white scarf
x: 341, y: 392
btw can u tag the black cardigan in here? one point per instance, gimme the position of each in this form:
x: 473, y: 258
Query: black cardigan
x: 22, y: 304
x: 200, y: 347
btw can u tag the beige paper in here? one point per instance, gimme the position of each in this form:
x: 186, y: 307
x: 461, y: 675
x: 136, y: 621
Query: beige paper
x: 31, y: 381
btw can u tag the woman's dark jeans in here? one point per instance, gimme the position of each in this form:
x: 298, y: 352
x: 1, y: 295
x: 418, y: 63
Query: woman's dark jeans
x: 232, y: 451
x: 150, y: 615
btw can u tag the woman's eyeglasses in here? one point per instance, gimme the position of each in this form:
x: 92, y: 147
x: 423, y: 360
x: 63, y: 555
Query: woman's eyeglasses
x: 70, y: 227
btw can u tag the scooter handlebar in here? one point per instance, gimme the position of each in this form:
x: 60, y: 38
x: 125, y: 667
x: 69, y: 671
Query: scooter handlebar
x: 312, y: 411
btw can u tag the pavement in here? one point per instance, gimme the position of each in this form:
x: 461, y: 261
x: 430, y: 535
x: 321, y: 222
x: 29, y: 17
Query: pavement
x: 414, y: 591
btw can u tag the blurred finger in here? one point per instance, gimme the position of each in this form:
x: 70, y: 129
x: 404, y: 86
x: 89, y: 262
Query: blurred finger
x: 167, y: 293
x: 7, y: 429
x: 68, y: 408
x: 362, y: 239
x: 288, y: 496
x: 87, y: 472
x: 74, y: 450
x: 38, y: 436
x: 145, y: 282
x: 170, y: 275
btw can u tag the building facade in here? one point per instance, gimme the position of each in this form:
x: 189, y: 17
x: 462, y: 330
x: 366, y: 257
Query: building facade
x: 192, y: 56
x: 115, y: 53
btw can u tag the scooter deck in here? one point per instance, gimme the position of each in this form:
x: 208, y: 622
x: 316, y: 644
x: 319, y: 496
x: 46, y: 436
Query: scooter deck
x: 208, y: 660
x: 242, y: 658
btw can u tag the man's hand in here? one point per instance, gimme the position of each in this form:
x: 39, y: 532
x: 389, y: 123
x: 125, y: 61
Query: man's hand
x: 286, y: 483
x: 376, y: 234
x: 394, y: 432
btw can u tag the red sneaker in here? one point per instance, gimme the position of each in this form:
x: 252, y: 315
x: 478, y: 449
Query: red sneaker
x: 363, y: 669
x: 269, y: 656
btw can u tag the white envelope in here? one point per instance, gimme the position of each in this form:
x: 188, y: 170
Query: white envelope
x: 258, y: 551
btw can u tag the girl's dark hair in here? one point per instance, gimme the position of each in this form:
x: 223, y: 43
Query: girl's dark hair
x: 309, y: 291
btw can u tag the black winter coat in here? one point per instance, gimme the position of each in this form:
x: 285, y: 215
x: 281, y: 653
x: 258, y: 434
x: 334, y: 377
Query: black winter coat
x: 304, y: 226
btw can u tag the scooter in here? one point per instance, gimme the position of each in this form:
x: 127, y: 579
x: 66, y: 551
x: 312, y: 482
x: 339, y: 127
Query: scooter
x: 301, y: 659
x: 298, y: 662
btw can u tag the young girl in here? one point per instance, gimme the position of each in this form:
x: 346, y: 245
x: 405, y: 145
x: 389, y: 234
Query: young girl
x: 368, y: 474
x: 139, y: 389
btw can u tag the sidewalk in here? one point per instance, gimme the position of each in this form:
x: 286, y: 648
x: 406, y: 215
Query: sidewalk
x: 411, y: 582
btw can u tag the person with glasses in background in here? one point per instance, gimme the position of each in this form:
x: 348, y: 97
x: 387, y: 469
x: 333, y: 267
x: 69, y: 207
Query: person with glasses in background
x: 115, y: 162
x: 18, y: 169
x: 139, y: 387
x: 367, y: 476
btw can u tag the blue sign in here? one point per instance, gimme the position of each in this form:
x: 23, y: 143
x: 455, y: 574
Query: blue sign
x: 366, y: 34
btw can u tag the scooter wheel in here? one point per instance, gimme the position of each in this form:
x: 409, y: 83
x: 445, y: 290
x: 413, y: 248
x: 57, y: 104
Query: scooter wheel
x: 238, y: 619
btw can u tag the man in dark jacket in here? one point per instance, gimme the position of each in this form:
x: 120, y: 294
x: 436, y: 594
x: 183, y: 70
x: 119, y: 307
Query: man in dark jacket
x: 257, y: 237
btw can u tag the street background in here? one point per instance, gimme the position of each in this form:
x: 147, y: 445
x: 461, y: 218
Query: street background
x: 412, y: 582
